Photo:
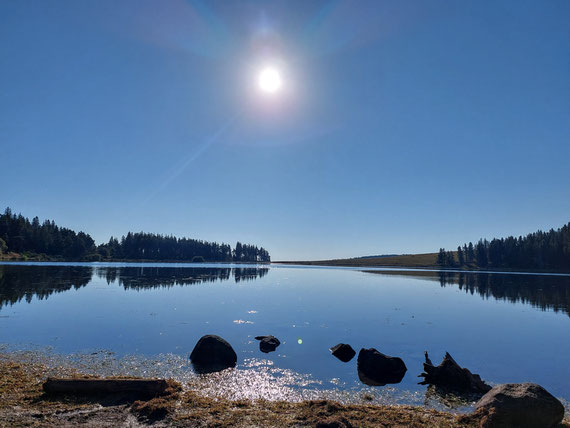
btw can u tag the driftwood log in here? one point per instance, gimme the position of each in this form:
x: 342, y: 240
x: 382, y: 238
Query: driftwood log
x: 451, y: 376
x: 136, y: 388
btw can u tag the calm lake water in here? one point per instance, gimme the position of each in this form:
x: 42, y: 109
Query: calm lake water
x: 145, y: 319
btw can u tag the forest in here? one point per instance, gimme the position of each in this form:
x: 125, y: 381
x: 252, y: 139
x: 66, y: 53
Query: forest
x: 20, y: 235
x: 539, y: 250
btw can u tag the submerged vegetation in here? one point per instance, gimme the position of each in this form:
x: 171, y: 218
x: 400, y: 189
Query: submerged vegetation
x: 31, y: 238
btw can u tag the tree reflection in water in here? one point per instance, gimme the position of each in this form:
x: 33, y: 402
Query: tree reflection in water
x: 19, y: 282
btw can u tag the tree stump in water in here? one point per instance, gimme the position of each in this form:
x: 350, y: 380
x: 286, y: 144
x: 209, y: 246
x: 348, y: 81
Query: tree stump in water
x: 451, y: 376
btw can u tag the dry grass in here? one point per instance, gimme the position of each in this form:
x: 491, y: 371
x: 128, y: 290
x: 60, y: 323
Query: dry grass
x: 23, y: 403
x: 427, y: 260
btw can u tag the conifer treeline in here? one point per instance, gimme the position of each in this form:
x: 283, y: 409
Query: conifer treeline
x: 20, y: 235
x: 150, y: 246
x: 538, y: 250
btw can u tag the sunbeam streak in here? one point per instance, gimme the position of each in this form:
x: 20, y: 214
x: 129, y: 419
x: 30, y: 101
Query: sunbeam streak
x: 179, y: 169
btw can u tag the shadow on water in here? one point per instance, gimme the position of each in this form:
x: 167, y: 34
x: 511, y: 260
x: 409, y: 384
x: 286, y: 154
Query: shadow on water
x: 19, y: 282
x: 540, y: 291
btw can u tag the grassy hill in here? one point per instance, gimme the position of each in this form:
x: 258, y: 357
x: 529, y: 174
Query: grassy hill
x: 427, y: 260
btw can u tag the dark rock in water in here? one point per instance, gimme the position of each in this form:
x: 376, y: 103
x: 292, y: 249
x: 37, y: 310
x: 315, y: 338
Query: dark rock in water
x: 268, y: 343
x: 451, y: 376
x: 343, y: 352
x: 518, y: 405
x: 212, y: 354
x: 377, y: 369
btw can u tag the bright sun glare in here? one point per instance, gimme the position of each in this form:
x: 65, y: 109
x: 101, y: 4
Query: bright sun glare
x: 269, y: 80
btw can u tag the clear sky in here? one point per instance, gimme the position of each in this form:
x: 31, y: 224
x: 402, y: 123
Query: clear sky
x: 399, y: 127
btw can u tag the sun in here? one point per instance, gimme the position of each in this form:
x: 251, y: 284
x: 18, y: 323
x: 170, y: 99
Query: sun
x: 269, y: 80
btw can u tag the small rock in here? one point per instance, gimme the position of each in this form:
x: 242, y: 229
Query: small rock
x: 377, y: 369
x: 519, y: 404
x: 343, y: 352
x: 212, y: 354
x: 268, y: 343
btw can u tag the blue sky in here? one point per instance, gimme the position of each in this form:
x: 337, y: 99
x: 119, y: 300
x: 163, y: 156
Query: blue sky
x: 401, y: 127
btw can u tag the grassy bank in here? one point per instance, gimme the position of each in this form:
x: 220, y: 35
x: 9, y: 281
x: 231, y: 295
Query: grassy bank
x: 23, y: 403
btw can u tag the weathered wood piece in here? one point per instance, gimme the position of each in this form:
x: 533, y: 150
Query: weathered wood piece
x: 450, y: 375
x: 90, y: 387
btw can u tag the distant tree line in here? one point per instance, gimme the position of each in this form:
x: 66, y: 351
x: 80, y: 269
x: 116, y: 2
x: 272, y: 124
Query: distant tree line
x: 150, y: 246
x: 538, y: 250
x: 20, y: 235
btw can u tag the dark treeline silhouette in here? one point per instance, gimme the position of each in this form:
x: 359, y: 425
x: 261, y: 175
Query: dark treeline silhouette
x: 539, y: 250
x: 19, y: 282
x: 20, y: 235
x: 150, y: 246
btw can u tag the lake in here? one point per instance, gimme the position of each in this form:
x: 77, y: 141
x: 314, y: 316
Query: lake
x: 144, y: 319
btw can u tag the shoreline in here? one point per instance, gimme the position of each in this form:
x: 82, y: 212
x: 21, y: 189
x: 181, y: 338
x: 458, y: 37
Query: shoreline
x: 23, y: 402
x: 365, y: 264
x: 412, y: 262
x: 316, y: 264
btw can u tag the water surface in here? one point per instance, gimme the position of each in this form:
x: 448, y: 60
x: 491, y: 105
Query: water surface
x: 146, y: 318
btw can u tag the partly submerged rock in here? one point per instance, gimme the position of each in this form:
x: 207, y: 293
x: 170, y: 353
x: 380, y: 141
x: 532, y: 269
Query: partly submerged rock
x: 519, y: 404
x: 377, y: 369
x: 343, y: 352
x: 451, y: 376
x: 267, y: 343
x: 212, y: 354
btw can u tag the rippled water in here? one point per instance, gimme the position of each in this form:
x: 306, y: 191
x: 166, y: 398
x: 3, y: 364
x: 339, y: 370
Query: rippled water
x: 144, y: 320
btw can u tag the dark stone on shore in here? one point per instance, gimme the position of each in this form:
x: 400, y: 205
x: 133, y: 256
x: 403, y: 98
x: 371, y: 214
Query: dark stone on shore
x: 519, y: 404
x: 377, y: 369
x: 212, y: 354
x: 450, y: 376
x: 343, y: 352
x: 267, y: 343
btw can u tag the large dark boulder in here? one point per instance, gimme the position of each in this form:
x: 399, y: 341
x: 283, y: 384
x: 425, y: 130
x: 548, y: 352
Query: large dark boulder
x: 343, y: 352
x: 450, y: 376
x: 377, y: 369
x: 212, y: 354
x: 518, y: 405
x: 267, y: 343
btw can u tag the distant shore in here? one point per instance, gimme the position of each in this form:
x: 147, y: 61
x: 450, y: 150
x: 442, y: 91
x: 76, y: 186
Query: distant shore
x: 15, y: 257
x: 405, y: 261
x: 426, y: 261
